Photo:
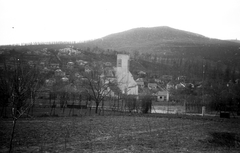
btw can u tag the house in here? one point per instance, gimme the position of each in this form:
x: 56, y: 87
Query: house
x: 68, y: 51
x: 54, y: 66
x: 152, y: 86
x: 45, y: 70
x: 142, y: 73
x: 65, y: 79
x: 180, y: 85
x: 31, y: 63
x: 59, y: 72
x: 158, y: 80
x: 109, y: 72
x: 182, y: 78
x: 167, y: 77
x: 144, y: 91
x: 50, y: 82
x: 81, y: 62
x: 77, y: 75
x: 162, y: 95
x: 170, y: 85
x: 70, y: 65
x: 108, y: 64
x: 42, y: 64
x: 140, y: 82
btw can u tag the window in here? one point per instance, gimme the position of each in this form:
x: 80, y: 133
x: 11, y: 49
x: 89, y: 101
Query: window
x: 119, y: 63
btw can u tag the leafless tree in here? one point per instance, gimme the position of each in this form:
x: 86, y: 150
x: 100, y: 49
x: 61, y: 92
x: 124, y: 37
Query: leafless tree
x: 19, y: 82
x: 99, y: 85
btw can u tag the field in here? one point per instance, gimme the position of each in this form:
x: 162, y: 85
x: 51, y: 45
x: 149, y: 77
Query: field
x: 120, y: 133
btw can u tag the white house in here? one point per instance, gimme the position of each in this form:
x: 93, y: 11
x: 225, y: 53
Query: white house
x: 162, y: 95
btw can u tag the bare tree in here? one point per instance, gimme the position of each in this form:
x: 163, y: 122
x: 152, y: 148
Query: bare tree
x: 99, y: 85
x: 4, y: 92
x: 19, y: 82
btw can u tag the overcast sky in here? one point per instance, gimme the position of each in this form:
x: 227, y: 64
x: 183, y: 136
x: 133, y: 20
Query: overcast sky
x: 23, y: 21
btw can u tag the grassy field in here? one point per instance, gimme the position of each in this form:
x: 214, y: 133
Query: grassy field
x: 122, y: 133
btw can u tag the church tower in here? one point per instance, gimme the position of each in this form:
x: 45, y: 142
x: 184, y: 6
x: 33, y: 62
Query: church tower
x: 123, y: 63
x: 125, y: 79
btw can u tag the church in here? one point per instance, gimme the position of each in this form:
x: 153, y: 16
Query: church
x: 125, y: 80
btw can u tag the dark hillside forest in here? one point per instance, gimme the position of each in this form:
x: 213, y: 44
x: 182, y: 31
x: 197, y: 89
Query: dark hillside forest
x: 171, y: 42
x: 156, y: 65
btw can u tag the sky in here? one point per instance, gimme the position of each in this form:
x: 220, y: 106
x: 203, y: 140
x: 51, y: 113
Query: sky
x: 24, y: 21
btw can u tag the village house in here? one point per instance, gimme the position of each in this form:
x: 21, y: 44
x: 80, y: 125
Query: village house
x: 167, y: 77
x: 180, y: 85
x: 109, y: 72
x: 50, y: 82
x: 162, y: 95
x: 59, y: 72
x: 54, y: 65
x: 170, y: 85
x: 140, y: 82
x: 70, y: 65
x: 108, y: 64
x: 142, y: 73
x: 42, y: 64
x: 81, y: 62
x: 45, y: 70
x: 31, y: 63
x: 152, y: 86
x: 68, y: 51
x: 77, y: 75
x: 158, y: 80
x: 181, y: 78
x: 65, y: 79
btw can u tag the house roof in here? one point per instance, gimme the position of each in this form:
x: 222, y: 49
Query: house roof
x: 139, y: 80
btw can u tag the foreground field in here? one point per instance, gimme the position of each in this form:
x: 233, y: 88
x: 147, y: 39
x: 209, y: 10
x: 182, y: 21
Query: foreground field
x: 123, y: 133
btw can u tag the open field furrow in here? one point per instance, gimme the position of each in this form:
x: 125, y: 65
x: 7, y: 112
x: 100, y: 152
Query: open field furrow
x: 122, y: 134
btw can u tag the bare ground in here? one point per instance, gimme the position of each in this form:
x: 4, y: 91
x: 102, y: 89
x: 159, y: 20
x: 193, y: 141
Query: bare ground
x: 123, y: 133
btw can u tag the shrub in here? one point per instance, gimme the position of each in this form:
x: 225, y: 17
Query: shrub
x: 146, y: 104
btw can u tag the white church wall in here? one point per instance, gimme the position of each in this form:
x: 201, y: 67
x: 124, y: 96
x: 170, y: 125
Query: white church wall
x: 125, y: 79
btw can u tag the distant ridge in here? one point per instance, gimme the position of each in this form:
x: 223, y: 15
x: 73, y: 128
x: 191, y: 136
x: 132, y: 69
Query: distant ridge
x: 234, y: 40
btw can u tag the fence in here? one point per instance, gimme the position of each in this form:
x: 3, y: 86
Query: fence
x: 63, y: 105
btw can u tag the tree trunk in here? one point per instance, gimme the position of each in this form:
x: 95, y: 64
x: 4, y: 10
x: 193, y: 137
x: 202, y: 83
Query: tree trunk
x: 33, y: 104
x: 97, y: 104
x: 12, y: 135
x: 2, y: 111
x: 103, y: 107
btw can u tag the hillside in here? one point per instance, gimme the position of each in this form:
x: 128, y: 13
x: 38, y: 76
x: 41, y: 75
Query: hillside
x: 173, y: 42
x: 155, y: 39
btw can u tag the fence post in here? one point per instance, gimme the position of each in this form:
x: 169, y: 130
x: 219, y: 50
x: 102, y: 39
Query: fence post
x: 203, y: 110
x: 185, y: 107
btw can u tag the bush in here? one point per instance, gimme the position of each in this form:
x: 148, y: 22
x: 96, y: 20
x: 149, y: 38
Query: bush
x: 146, y: 104
x: 131, y: 103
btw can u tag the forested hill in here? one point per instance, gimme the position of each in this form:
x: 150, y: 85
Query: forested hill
x: 168, y: 41
x: 157, y: 39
